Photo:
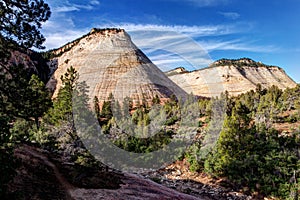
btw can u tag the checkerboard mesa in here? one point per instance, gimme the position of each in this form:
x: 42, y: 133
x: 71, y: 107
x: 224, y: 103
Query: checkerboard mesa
x: 110, y: 63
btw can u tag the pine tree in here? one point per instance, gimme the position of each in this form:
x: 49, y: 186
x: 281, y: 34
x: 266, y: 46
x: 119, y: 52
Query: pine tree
x: 20, y: 21
x: 256, y: 157
x: 156, y: 100
x: 62, y: 110
x: 127, y: 106
x: 96, y: 107
x: 106, y: 110
x: 24, y: 96
x: 39, y: 99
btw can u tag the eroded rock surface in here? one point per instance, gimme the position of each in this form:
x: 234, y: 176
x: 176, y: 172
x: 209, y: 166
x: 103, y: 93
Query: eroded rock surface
x: 109, y: 62
x: 234, y: 76
x: 41, y: 176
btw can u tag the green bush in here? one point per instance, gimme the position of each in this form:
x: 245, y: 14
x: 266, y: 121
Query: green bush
x: 254, y: 156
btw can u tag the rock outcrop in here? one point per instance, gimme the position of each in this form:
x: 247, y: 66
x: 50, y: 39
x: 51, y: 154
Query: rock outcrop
x: 178, y: 70
x: 33, y: 61
x: 234, y: 76
x: 41, y: 175
x: 109, y: 63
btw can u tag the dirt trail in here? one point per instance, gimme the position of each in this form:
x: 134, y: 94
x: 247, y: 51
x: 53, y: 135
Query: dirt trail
x: 28, y: 150
x: 134, y: 187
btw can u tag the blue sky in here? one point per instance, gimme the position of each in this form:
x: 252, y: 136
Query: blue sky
x: 264, y: 30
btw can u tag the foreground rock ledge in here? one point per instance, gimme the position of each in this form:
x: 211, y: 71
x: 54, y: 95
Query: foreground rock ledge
x: 39, y: 177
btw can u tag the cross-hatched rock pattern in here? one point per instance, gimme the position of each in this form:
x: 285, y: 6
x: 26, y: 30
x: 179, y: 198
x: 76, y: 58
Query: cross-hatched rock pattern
x: 234, y: 76
x: 110, y: 63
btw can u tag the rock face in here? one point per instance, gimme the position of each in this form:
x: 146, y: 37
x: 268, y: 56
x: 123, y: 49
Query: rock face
x: 178, y: 70
x: 109, y: 63
x: 234, y: 76
x: 30, y: 60
x: 39, y: 177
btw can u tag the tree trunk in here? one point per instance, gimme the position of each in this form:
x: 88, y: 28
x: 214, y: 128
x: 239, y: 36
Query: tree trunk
x: 37, y: 123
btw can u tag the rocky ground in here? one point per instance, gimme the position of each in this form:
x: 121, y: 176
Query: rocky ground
x: 178, y: 177
x: 43, y: 175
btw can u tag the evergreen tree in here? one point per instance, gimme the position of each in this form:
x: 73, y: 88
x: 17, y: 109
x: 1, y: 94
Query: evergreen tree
x: 106, y: 110
x: 156, y: 100
x: 20, y: 21
x: 24, y: 96
x: 127, y: 106
x: 62, y: 110
x: 39, y: 99
x: 256, y: 157
x: 96, y: 107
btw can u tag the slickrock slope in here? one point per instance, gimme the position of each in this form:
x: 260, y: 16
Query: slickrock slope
x: 234, y: 76
x: 109, y: 62
x: 41, y: 176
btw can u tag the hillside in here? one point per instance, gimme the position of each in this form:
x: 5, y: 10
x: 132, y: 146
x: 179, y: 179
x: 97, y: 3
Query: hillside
x: 234, y: 76
x: 48, y: 159
x: 30, y: 60
x: 115, y: 127
x: 109, y: 63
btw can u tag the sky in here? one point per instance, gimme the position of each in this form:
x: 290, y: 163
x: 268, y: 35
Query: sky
x: 188, y: 33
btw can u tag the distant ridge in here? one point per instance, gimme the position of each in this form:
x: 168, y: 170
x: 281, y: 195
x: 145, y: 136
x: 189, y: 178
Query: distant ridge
x: 178, y: 70
x: 233, y: 75
x: 239, y: 63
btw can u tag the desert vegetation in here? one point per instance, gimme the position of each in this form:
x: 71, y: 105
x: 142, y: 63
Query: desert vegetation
x: 257, y: 148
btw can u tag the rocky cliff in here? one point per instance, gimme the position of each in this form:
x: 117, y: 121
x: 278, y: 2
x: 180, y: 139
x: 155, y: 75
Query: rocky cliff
x: 234, y: 76
x: 109, y: 62
x: 33, y: 61
x: 178, y: 70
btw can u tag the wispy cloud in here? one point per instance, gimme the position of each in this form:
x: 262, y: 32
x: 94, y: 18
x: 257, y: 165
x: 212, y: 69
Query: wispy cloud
x: 184, y: 45
x: 204, y: 3
x: 191, y: 31
x: 94, y: 2
x: 65, y: 9
x: 60, y: 33
x: 237, y: 45
x: 167, y: 61
x: 230, y: 15
x: 66, y: 6
x: 167, y: 46
x: 175, y: 43
x: 58, y: 39
x: 60, y: 28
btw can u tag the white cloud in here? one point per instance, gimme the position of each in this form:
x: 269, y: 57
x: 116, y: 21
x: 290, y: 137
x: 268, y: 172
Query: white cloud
x: 65, y: 9
x: 204, y: 3
x: 167, y: 46
x: 236, y: 45
x: 65, y: 6
x: 192, y: 31
x: 186, y: 43
x: 59, y: 30
x: 167, y: 61
x: 230, y: 15
x: 94, y: 2
x: 85, y: 7
x: 55, y: 40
